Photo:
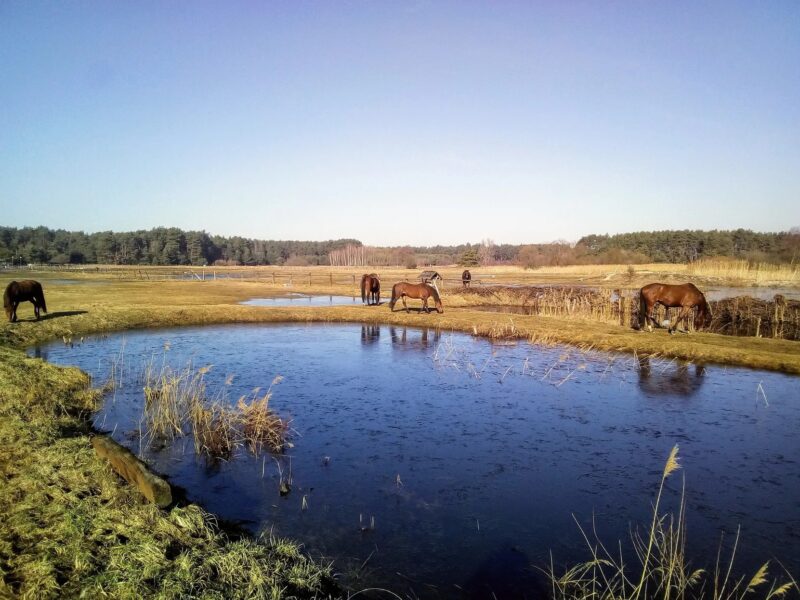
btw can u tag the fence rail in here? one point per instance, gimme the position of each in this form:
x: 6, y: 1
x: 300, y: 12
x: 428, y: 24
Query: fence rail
x: 255, y: 274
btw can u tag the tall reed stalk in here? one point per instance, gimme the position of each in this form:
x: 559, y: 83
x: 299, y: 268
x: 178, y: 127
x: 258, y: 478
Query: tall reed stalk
x: 663, y: 569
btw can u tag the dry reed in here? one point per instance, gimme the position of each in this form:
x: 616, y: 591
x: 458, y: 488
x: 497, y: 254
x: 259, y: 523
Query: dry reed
x: 663, y: 569
x: 177, y: 401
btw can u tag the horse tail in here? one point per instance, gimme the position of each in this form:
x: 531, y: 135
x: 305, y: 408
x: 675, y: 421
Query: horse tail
x: 394, y: 297
x: 436, y: 299
x: 642, y: 309
x: 363, y: 289
x: 7, y: 295
x: 40, y: 295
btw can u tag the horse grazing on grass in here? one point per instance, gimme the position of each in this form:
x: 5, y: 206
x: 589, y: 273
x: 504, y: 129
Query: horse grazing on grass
x: 21, y: 291
x: 370, y: 289
x: 420, y: 291
x: 685, y: 296
x: 466, y: 277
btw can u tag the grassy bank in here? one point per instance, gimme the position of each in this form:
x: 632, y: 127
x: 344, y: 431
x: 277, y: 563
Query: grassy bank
x: 70, y: 527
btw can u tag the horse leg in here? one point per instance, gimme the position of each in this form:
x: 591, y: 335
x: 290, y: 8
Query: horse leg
x: 14, y: 306
x: 35, y: 308
x: 425, y: 305
x: 649, y: 319
x: 403, y: 297
x: 681, y: 316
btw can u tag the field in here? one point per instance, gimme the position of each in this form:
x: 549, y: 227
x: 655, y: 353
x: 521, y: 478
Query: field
x: 65, y: 525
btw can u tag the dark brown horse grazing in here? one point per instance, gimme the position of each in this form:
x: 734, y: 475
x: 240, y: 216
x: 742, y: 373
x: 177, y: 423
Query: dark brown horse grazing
x: 466, y: 277
x: 370, y: 289
x: 21, y: 291
x: 420, y: 291
x: 685, y: 296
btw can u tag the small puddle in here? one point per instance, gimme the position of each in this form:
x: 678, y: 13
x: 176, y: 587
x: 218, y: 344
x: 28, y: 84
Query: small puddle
x: 299, y: 300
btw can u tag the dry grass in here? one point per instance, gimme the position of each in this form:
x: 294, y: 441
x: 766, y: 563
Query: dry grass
x: 744, y: 272
x: 662, y: 569
x: 177, y: 401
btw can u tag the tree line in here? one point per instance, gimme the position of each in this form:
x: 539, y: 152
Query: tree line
x: 160, y: 246
x: 173, y: 246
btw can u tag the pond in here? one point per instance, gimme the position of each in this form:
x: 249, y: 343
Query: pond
x: 448, y: 465
x: 303, y: 300
x: 761, y: 293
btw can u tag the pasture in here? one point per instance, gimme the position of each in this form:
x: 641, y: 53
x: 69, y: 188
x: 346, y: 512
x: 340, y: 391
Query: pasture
x: 47, y: 407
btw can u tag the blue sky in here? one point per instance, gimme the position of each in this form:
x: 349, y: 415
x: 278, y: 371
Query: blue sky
x: 400, y: 122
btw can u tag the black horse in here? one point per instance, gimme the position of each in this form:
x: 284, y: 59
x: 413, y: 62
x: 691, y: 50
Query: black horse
x: 370, y: 289
x: 21, y: 291
x: 466, y: 277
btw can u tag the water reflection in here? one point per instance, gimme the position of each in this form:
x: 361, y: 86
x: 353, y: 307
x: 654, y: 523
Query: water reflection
x: 370, y: 334
x: 414, y: 338
x: 674, y: 379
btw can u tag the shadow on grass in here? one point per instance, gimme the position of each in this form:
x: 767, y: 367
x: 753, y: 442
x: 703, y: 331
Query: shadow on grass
x: 56, y: 315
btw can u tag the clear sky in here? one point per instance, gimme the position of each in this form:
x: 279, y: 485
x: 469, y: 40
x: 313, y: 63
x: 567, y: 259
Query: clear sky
x: 400, y: 122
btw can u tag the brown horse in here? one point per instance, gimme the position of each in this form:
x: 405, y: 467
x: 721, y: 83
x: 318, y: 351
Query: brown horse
x: 370, y: 289
x: 466, y: 277
x: 420, y: 291
x: 685, y: 296
x: 21, y: 291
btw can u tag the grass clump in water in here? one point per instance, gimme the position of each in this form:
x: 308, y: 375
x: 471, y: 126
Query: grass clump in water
x: 177, y: 401
x: 663, y: 569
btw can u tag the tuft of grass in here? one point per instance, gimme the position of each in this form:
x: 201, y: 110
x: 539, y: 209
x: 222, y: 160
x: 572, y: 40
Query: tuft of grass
x: 662, y: 569
x: 176, y: 401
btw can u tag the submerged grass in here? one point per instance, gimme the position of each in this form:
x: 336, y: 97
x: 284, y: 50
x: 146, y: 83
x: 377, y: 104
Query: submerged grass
x: 69, y: 527
x: 661, y: 569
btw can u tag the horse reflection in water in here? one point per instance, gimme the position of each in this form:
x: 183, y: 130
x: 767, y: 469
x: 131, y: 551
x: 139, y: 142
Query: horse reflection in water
x: 671, y: 379
x: 419, y: 338
x: 370, y: 334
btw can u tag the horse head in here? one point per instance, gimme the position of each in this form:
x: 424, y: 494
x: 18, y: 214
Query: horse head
x: 704, y: 315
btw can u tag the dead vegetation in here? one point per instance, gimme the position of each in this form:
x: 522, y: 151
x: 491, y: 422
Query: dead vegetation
x: 741, y: 316
x: 177, y: 402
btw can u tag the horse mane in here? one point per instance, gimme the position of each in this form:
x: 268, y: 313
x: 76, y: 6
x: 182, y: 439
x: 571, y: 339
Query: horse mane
x: 434, y: 293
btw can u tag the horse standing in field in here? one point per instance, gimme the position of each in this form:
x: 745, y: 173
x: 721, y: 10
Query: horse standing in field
x: 685, y: 296
x: 420, y: 291
x: 21, y: 291
x: 466, y: 277
x: 370, y: 289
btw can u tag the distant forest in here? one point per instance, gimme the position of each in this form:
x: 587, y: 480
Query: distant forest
x: 172, y: 246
